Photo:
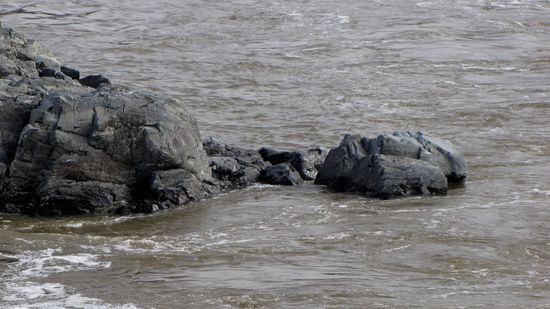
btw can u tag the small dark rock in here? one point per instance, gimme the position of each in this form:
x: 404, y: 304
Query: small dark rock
x: 234, y: 167
x: 282, y: 174
x: 49, y: 72
x: 94, y: 81
x: 8, y: 259
x: 41, y: 65
x: 276, y: 157
x: 72, y: 73
x: 306, y: 163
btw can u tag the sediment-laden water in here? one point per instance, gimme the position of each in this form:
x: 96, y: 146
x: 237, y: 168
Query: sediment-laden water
x: 288, y: 74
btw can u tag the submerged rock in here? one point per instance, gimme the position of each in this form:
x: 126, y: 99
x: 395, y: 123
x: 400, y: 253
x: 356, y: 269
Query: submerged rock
x: 391, y: 165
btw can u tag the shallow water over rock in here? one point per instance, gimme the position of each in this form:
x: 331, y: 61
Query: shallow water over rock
x: 287, y: 75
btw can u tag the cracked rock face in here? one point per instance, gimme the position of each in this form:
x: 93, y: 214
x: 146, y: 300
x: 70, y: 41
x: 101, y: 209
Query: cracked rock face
x: 70, y: 149
x: 87, y: 150
x: 392, y: 165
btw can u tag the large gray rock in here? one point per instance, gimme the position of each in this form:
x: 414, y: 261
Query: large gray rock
x: 83, y: 151
x: 70, y: 149
x: 391, y: 165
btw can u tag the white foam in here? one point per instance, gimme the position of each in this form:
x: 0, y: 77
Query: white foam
x: 541, y: 192
x: 29, y: 290
x: 77, y: 225
x: 424, y: 4
x: 45, y: 262
x: 397, y: 248
x: 18, y: 290
x: 337, y: 236
x: 295, y: 14
x: 49, y: 295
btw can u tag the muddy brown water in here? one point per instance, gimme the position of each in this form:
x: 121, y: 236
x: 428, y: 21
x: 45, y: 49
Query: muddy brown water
x: 288, y: 74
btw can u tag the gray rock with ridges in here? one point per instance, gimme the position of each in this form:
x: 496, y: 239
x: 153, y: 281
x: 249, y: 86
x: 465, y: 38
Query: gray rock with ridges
x: 391, y: 165
x: 84, y: 150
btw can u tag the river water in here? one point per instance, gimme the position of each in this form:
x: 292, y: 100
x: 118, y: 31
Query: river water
x: 288, y: 74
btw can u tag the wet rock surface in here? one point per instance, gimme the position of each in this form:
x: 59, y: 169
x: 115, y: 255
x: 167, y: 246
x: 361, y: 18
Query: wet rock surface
x: 94, y: 81
x: 392, y: 165
x: 305, y: 162
x: 70, y: 149
x: 72, y: 73
x: 84, y: 150
x: 281, y: 174
x: 233, y: 167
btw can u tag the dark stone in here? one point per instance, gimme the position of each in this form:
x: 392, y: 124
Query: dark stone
x: 8, y: 259
x: 49, y: 72
x: 306, y: 163
x: 399, y: 164
x: 282, y: 174
x: 234, y: 167
x: 95, y: 81
x: 72, y: 73
x: 41, y: 65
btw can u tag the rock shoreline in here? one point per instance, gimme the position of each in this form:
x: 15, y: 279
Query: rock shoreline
x: 72, y: 145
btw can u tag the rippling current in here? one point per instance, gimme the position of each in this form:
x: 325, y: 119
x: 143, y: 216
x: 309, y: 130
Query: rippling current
x: 288, y: 74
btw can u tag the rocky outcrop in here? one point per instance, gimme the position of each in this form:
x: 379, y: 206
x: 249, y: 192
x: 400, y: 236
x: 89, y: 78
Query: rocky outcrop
x: 87, y: 150
x: 71, y: 145
x: 21, y: 90
x: 70, y: 149
x: 392, y: 165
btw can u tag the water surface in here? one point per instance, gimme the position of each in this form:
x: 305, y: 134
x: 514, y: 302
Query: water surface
x: 288, y: 74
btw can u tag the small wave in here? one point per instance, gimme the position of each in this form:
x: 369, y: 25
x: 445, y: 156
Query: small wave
x: 74, y: 225
x: 337, y: 236
x: 540, y: 192
x: 397, y: 248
